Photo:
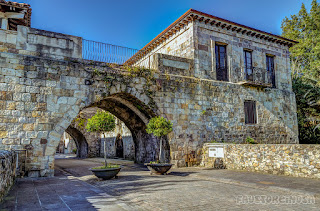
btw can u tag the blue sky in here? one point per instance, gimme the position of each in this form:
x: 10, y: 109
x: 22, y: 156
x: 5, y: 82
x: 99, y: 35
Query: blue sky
x: 133, y: 23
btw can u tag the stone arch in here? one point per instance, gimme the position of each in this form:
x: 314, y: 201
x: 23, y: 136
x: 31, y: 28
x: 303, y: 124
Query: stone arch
x: 129, y: 109
x: 135, y: 114
x: 80, y: 140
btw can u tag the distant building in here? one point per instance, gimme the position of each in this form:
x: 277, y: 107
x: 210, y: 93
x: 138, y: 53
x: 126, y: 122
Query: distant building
x: 13, y: 14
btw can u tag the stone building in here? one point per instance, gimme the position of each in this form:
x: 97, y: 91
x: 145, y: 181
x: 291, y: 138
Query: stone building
x: 216, y: 80
x: 250, y: 70
x: 13, y: 14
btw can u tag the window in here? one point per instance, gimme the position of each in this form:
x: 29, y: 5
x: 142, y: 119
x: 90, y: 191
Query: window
x: 221, y: 63
x: 250, y: 112
x: 248, y: 65
x: 270, y: 70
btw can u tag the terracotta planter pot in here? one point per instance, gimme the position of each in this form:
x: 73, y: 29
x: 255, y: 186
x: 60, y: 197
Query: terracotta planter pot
x: 106, y: 173
x: 158, y: 168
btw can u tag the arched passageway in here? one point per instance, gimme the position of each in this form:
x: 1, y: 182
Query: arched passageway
x: 80, y: 140
x: 135, y: 115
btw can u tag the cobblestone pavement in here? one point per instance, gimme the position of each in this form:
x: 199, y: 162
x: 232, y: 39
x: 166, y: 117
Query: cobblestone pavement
x: 181, y: 189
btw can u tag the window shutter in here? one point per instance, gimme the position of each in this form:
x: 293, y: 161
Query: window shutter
x: 250, y: 112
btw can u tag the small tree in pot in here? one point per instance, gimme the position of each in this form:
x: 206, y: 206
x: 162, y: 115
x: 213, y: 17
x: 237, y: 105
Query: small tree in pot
x: 159, y: 127
x: 103, y: 122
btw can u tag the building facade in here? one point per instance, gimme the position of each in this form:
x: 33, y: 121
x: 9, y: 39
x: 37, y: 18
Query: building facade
x: 252, y: 93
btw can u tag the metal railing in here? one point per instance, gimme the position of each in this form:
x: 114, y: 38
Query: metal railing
x: 255, y: 75
x: 104, y: 52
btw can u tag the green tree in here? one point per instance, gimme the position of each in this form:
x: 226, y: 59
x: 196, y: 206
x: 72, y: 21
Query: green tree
x: 305, y: 63
x: 101, y: 122
x: 308, y: 110
x: 304, y: 27
x: 159, y: 127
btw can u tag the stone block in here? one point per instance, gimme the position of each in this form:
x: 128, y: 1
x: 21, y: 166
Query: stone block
x: 62, y: 100
x: 26, y: 97
x: 28, y: 127
x: 3, y: 134
x: 32, y: 89
x: 11, y: 105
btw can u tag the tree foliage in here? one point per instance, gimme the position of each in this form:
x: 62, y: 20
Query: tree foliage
x: 159, y: 126
x: 304, y: 27
x: 101, y: 122
x: 308, y: 110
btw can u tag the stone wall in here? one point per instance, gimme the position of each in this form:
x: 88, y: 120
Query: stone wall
x: 282, y: 159
x: 7, y: 172
x: 36, y: 42
x: 204, y: 110
x: 40, y: 97
x: 180, y: 44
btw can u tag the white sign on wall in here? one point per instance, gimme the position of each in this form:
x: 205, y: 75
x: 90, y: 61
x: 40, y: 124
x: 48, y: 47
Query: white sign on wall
x: 216, y: 152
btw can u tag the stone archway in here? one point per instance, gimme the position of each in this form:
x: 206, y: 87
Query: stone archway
x: 80, y: 140
x: 135, y: 115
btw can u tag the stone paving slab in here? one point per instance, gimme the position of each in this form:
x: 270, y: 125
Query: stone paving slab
x: 75, y: 188
x: 59, y: 193
x: 259, y: 180
x: 199, y: 189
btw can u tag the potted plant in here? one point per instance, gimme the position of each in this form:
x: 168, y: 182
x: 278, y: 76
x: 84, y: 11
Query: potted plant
x: 159, y: 127
x: 103, y: 122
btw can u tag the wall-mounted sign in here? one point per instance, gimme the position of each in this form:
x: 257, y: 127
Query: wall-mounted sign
x: 216, y: 152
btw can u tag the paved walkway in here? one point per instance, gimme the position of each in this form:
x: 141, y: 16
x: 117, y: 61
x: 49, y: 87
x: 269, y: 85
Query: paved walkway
x: 75, y: 188
x: 59, y: 193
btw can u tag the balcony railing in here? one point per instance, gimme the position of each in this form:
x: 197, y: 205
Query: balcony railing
x: 104, y: 52
x: 255, y: 77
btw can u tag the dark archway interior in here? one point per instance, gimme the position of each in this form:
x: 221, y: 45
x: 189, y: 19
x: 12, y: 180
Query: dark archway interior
x: 119, y: 146
x: 80, y: 140
x: 135, y: 115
